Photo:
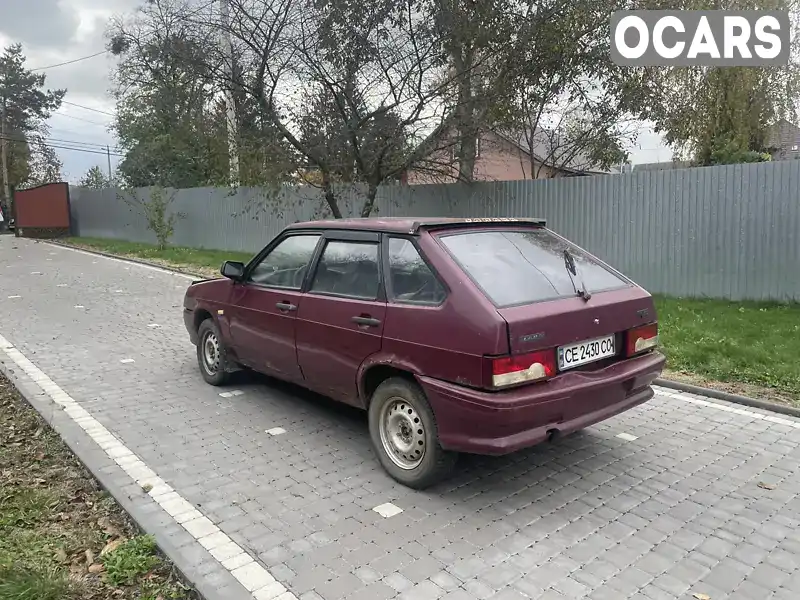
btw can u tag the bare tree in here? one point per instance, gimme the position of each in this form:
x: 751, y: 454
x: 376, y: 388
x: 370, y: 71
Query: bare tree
x: 369, y: 78
x: 564, y: 102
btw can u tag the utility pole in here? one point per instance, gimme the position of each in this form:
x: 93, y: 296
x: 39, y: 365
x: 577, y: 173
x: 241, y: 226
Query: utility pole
x: 230, y: 106
x: 108, y: 155
x: 4, y: 156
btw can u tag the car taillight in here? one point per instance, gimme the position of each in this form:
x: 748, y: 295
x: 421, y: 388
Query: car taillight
x: 641, y: 339
x: 523, y: 368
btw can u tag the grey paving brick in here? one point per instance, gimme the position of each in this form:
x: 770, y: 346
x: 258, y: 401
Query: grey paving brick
x: 587, y: 516
x: 374, y: 591
x: 341, y: 587
x: 426, y: 590
x: 768, y: 576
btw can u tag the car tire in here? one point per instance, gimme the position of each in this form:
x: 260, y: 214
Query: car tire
x: 211, y: 354
x: 405, y: 436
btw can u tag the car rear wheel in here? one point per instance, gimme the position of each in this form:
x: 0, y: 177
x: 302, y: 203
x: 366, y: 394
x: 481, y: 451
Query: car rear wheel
x: 405, y: 437
x: 211, y: 355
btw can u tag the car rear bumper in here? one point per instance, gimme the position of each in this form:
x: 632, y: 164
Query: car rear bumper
x: 484, y: 422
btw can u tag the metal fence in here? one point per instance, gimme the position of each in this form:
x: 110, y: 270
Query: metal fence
x: 725, y: 232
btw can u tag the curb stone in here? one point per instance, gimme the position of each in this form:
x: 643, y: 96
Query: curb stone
x: 138, y: 261
x: 175, y: 543
x: 733, y: 398
x: 667, y: 383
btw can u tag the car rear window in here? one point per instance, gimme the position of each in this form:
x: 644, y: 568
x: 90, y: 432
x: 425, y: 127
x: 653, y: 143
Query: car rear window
x: 515, y: 267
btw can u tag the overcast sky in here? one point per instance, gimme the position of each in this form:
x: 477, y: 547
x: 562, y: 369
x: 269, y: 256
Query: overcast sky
x: 57, y: 31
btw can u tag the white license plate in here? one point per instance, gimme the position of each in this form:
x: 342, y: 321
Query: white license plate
x: 584, y: 352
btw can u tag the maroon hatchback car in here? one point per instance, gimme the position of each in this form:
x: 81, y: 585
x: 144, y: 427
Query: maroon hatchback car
x: 457, y: 335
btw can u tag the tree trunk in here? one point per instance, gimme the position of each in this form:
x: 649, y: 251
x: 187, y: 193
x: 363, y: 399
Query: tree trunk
x: 369, y: 205
x: 9, y: 201
x: 330, y: 197
x: 467, y: 130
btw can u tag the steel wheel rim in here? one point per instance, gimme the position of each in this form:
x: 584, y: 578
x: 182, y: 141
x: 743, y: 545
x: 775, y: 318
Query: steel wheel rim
x: 402, y: 433
x: 211, y: 353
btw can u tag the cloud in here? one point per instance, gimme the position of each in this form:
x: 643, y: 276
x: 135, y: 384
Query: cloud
x: 56, y: 31
x: 38, y: 22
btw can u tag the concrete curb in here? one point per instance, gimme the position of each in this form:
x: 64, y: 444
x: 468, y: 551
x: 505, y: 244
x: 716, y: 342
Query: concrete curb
x: 667, y: 383
x: 733, y: 398
x: 145, y: 513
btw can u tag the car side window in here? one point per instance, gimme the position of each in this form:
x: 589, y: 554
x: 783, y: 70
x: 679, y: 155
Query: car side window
x: 348, y: 269
x: 286, y: 264
x: 412, y: 279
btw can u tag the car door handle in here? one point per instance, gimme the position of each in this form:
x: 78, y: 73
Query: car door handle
x: 366, y: 321
x: 286, y: 306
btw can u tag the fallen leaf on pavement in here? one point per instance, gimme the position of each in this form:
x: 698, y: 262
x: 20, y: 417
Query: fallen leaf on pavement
x: 109, y: 528
x: 111, y: 546
x: 701, y: 596
x: 147, y: 487
x: 767, y: 486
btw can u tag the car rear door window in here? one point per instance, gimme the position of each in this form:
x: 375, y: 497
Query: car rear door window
x: 348, y: 269
x: 285, y: 266
x: 516, y: 267
x: 411, y: 278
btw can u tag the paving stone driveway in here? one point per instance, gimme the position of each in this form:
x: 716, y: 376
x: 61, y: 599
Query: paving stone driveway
x: 675, y: 512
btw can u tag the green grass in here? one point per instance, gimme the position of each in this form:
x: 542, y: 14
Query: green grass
x: 35, y: 584
x: 754, y: 343
x: 55, y: 523
x: 176, y: 255
x: 24, y: 507
x: 135, y: 557
x: 751, y: 343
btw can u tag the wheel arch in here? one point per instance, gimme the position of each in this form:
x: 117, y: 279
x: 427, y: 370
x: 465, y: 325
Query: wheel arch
x: 200, y: 315
x: 375, y: 372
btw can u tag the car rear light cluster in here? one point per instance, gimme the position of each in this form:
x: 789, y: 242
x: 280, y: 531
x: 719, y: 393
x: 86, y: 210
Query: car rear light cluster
x: 523, y: 368
x: 641, y: 339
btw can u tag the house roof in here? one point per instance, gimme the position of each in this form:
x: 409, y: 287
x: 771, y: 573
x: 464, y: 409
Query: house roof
x: 548, y: 149
x: 783, y: 135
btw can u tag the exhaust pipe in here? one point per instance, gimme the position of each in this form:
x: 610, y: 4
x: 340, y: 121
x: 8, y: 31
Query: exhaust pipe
x: 553, y: 434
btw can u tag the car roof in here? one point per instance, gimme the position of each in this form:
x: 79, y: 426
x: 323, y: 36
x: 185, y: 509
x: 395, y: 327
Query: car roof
x: 410, y: 225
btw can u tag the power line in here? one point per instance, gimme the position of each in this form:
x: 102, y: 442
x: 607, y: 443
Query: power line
x: 58, y: 114
x: 22, y: 138
x: 61, y: 130
x: 69, y: 62
x: 61, y: 147
x: 102, y: 112
x: 90, y: 144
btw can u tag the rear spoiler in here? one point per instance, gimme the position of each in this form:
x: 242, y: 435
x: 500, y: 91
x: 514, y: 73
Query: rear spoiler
x: 477, y: 222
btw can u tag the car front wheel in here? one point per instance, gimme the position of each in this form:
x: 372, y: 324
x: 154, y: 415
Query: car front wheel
x: 405, y: 437
x: 211, y: 354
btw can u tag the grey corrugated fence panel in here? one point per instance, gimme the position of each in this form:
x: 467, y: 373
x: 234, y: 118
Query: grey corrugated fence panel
x: 727, y: 232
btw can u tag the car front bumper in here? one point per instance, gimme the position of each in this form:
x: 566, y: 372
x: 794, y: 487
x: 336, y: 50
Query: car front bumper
x: 188, y: 320
x: 496, y: 423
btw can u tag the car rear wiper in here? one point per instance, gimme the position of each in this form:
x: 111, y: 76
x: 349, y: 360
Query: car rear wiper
x: 572, y: 271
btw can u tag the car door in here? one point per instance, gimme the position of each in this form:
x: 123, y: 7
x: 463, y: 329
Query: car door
x: 340, y: 319
x: 265, y: 304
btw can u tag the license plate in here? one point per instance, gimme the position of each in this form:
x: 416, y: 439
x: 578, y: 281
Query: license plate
x: 584, y: 352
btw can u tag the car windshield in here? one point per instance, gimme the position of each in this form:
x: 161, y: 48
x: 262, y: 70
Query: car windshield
x: 515, y: 267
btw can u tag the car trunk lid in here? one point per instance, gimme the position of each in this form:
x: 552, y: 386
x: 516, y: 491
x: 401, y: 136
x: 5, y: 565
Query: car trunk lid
x: 566, y: 321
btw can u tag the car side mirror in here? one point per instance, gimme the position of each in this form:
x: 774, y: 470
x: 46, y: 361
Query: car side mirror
x: 232, y: 270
